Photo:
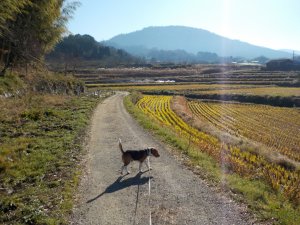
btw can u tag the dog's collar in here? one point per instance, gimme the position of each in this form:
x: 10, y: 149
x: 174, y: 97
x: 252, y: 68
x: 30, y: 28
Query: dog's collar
x: 148, y: 151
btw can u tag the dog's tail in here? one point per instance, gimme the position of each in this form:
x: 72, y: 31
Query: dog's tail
x: 120, y: 145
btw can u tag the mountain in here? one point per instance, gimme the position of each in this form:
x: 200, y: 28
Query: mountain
x: 191, y: 40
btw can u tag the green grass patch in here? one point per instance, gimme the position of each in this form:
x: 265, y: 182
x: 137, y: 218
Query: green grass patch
x: 263, y: 200
x: 10, y: 83
x: 40, y: 150
x: 267, y: 204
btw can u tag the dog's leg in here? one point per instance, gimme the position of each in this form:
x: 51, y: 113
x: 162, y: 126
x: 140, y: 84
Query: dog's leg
x: 122, y: 169
x: 147, y: 162
x: 128, y: 172
x: 140, y: 167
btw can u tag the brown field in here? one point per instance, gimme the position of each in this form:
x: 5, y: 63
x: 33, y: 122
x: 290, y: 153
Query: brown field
x: 215, y: 82
x: 204, y: 74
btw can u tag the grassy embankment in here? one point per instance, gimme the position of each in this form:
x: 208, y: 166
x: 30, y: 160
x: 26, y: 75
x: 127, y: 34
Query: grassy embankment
x: 259, y: 196
x: 40, y: 149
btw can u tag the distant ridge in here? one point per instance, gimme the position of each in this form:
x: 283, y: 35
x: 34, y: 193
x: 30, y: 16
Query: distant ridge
x: 191, y: 40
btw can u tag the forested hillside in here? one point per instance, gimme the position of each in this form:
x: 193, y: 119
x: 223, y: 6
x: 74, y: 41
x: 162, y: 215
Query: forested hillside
x: 82, y: 49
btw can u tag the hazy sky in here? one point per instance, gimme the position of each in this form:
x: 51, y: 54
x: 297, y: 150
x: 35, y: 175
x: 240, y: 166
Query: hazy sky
x: 270, y: 23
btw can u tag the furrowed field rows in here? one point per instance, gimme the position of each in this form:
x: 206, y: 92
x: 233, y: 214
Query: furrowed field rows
x: 240, y: 161
x: 267, y: 90
x: 160, y: 109
x: 277, y: 128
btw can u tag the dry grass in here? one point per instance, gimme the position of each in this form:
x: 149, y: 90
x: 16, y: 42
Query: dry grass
x: 55, y: 100
x: 40, y: 147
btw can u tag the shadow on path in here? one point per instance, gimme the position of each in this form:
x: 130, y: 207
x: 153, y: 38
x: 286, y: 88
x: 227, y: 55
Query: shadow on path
x: 120, y: 184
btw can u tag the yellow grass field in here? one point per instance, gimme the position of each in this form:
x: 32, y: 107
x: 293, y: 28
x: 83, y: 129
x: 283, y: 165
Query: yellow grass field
x: 243, y: 162
x: 275, y: 127
x: 240, y: 89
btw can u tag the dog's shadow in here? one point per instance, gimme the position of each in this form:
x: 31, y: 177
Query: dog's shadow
x: 120, y: 184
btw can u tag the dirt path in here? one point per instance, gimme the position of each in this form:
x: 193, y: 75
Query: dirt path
x: 177, y: 195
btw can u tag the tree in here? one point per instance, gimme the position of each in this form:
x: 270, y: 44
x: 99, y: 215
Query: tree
x: 32, y: 28
x: 8, y: 11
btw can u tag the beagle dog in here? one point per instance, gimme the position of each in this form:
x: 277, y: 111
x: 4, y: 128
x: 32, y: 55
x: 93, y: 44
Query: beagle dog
x: 136, y: 155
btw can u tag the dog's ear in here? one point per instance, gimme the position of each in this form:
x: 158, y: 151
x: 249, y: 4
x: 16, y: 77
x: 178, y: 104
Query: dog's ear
x: 154, y: 152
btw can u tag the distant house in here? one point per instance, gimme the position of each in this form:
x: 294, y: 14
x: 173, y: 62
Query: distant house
x: 279, y: 64
x: 282, y: 64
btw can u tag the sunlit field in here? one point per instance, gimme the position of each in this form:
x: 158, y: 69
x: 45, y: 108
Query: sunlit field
x: 246, y: 162
x: 277, y: 128
x: 263, y: 90
x: 267, y: 90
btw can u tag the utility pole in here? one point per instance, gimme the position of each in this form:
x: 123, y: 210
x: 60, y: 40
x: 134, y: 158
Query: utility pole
x: 293, y: 56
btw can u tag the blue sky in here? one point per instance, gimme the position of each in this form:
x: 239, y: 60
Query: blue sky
x: 269, y: 23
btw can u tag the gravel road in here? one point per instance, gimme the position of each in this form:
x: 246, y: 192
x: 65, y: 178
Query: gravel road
x: 177, y: 195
